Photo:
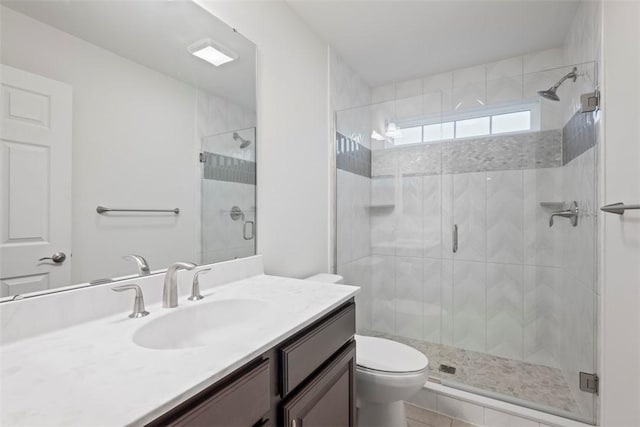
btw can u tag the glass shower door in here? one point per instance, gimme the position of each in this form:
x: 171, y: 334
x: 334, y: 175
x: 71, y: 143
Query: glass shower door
x: 522, y: 287
x: 228, y: 195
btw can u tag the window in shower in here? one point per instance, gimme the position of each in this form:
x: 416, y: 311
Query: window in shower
x: 513, y: 118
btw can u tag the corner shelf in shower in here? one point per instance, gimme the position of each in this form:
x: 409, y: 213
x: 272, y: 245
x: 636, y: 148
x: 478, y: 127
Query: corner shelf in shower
x: 383, y: 206
x: 553, y: 205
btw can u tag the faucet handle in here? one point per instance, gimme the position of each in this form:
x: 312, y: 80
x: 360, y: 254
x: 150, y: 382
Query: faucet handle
x: 143, y: 265
x: 138, y: 302
x: 195, y: 289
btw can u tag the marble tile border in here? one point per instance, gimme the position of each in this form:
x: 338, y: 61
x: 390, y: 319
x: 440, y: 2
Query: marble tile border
x: 230, y: 169
x: 578, y: 135
x: 352, y: 156
x: 533, y: 150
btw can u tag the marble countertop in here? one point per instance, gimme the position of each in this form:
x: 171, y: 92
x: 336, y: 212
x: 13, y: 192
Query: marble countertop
x: 93, y: 374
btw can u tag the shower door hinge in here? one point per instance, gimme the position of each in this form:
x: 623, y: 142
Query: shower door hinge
x: 589, y: 382
x: 590, y: 101
x: 202, y: 158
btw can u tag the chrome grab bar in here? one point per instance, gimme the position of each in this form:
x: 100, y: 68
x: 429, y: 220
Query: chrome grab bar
x: 102, y: 209
x: 618, y: 208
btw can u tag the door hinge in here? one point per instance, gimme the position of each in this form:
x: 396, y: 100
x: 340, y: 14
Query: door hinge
x: 202, y: 158
x: 589, y: 382
x: 590, y: 101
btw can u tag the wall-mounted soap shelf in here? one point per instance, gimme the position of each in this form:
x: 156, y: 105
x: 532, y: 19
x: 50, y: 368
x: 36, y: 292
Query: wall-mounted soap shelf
x: 553, y: 205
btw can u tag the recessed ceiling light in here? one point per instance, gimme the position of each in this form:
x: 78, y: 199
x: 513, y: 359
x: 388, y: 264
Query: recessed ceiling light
x: 212, y: 52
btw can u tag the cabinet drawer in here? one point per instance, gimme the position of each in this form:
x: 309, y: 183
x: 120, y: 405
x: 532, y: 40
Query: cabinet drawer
x: 329, y: 398
x: 239, y: 404
x: 301, y: 357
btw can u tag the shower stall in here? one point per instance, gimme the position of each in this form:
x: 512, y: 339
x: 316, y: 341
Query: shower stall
x: 228, y: 195
x: 444, y: 208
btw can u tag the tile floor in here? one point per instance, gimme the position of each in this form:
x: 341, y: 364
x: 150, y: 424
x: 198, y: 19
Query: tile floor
x: 512, y: 378
x: 420, y: 417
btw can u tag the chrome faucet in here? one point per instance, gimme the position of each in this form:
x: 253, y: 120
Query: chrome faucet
x: 571, y: 213
x: 138, y: 302
x: 170, y: 291
x: 143, y: 266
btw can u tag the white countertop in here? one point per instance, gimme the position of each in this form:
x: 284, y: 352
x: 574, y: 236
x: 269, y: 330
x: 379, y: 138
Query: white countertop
x: 94, y: 374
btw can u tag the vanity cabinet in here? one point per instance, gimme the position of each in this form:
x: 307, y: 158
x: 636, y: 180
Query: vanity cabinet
x: 329, y: 399
x: 307, y: 380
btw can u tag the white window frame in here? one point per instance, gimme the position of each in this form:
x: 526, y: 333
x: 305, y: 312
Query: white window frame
x: 532, y: 105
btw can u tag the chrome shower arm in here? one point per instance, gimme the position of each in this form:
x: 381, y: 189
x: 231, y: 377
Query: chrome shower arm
x: 572, y: 75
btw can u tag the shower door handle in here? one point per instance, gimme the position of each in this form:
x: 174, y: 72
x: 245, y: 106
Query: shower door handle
x: 454, y: 238
x: 244, y: 230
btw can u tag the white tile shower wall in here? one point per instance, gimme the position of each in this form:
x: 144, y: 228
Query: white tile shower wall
x: 354, y: 238
x: 226, y: 145
x: 496, y: 83
x: 353, y: 199
x: 582, y: 46
x: 222, y: 237
x: 498, y: 294
x: 579, y: 293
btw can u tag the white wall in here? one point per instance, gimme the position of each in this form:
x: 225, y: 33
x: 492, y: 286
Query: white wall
x: 293, y: 121
x: 620, y: 276
x: 136, y: 135
x: 129, y: 122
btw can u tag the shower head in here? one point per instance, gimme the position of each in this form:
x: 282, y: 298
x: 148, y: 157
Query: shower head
x: 550, y: 93
x: 244, y: 143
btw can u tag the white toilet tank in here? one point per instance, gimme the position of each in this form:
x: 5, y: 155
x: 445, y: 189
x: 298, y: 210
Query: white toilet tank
x: 326, y: 278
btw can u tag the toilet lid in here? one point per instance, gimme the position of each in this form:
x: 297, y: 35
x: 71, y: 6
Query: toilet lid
x: 381, y: 354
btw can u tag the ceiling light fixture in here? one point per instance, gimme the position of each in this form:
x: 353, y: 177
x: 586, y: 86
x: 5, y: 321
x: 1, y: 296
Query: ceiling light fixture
x: 212, y: 52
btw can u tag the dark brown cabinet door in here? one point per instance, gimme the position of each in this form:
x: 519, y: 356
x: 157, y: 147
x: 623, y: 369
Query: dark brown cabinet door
x: 329, y: 399
x: 306, y: 353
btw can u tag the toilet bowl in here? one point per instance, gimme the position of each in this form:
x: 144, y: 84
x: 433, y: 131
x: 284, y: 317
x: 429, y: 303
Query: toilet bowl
x: 387, y: 372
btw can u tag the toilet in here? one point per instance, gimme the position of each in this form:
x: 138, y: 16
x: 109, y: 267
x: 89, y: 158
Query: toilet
x: 387, y: 373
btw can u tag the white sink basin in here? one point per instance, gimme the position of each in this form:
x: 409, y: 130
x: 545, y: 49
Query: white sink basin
x: 203, y: 324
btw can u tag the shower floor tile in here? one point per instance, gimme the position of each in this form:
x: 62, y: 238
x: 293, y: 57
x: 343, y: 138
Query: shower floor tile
x: 541, y: 385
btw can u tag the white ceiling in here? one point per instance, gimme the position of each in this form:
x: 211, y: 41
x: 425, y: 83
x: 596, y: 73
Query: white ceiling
x: 156, y: 34
x: 390, y: 41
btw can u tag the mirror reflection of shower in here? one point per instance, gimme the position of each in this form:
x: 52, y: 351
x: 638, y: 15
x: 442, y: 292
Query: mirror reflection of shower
x: 248, y: 226
x: 244, y: 143
x: 550, y: 93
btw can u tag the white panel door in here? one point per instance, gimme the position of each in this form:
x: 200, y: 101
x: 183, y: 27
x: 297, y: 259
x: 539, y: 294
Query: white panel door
x: 35, y: 182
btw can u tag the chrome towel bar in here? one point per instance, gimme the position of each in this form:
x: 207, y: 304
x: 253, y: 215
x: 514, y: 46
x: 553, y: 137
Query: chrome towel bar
x: 618, y: 208
x: 102, y: 209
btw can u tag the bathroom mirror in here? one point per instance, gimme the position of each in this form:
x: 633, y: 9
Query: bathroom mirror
x: 127, y: 128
